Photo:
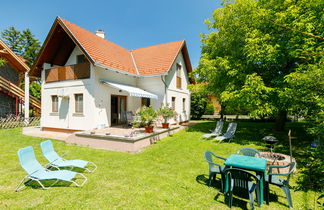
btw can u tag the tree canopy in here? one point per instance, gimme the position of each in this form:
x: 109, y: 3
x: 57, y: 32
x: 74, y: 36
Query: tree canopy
x: 23, y: 43
x: 257, y: 49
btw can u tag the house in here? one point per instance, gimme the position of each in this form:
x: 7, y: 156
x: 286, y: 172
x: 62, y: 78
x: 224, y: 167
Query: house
x: 12, y: 97
x: 90, y: 82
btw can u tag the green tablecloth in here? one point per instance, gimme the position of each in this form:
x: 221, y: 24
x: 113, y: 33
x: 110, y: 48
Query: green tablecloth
x: 258, y: 165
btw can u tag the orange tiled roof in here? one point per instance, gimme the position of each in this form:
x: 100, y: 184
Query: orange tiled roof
x: 156, y: 59
x: 153, y: 60
x: 102, y: 50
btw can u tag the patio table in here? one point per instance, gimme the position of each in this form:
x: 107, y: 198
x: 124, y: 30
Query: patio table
x: 258, y: 165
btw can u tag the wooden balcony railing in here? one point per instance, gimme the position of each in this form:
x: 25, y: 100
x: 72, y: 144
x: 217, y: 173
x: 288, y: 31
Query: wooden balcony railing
x: 178, y: 82
x: 16, y: 91
x: 77, y: 71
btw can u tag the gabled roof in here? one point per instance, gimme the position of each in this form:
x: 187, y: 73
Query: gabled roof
x: 148, y: 61
x: 15, y: 61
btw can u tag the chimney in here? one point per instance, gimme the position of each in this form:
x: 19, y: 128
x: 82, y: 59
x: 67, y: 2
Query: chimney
x: 100, y: 33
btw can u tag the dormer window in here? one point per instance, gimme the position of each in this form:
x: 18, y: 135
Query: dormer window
x: 81, y: 59
x: 178, y: 75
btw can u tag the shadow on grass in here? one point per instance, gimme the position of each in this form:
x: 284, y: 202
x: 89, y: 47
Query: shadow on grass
x: 248, y: 133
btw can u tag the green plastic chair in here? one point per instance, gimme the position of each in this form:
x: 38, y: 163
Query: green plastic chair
x: 36, y: 172
x: 58, y: 162
x: 271, y: 178
x: 214, y: 168
x: 249, y: 152
x: 244, y: 180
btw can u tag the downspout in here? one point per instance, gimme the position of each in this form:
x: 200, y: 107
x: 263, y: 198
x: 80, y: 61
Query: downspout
x: 165, y: 91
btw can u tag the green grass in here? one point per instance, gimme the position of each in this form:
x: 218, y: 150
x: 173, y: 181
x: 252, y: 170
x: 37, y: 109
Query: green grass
x: 169, y: 174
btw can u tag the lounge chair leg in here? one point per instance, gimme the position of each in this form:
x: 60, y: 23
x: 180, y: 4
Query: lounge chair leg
x: 94, y: 166
x: 22, y: 181
x: 80, y: 185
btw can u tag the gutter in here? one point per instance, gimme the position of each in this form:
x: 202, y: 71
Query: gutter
x: 126, y: 73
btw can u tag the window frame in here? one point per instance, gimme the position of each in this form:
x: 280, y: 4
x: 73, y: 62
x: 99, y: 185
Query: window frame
x: 184, y: 104
x: 173, y: 102
x: 146, y: 99
x: 54, y: 103
x: 178, y: 76
x: 76, y: 103
x: 81, y: 58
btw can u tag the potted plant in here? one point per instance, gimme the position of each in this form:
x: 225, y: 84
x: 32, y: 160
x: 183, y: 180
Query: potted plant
x: 147, y: 115
x: 166, y: 113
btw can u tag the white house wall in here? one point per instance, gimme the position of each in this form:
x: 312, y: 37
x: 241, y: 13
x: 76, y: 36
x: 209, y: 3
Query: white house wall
x: 97, y: 96
x: 179, y: 94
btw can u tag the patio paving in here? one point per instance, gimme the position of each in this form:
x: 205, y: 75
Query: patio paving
x: 117, y: 138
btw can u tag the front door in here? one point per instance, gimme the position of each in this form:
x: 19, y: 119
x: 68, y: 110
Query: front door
x: 118, y: 110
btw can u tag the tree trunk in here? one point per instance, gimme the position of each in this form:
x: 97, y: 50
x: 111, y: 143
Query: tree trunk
x: 222, y: 112
x: 281, y: 120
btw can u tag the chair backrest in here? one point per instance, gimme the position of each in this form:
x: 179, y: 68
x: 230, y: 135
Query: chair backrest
x: 240, y: 178
x: 129, y: 116
x: 249, y: 152
x: 28, y: 160
x: 49, y: 152
x: 230, y: 130
x: 209, y: 158
x: 219, y: 127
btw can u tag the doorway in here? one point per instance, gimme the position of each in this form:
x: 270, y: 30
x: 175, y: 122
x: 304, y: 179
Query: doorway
x: 118, y: 110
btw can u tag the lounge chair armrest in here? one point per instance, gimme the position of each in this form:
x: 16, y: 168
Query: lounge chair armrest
x: 271, y: 174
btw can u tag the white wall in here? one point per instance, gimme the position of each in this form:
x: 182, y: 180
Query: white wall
x: 97, y: 96
x: 179, y: 94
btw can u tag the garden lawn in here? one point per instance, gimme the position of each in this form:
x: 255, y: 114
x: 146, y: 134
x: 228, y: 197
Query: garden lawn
x: 169, y: 174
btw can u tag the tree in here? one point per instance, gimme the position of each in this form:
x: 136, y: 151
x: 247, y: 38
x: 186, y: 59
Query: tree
x: 2, y: 61
x: 22, y: 43
x: 25, y: 45
x: 254, y: 47
x: 31, y: 46
x: 12, y: 37
x: 199, y: 100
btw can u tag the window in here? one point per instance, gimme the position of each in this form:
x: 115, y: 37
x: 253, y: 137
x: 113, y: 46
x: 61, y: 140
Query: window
x: 173, y: 103
x: 184, y: 104
x: 146, y: 102
x: 178, y: 75
x: 81, y: 59
x: 54, y: 103
x: 78, y: 103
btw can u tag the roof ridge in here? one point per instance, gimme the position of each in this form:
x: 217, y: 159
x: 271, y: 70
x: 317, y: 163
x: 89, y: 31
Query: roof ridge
x: 134, y: 62
x: 157, y: 45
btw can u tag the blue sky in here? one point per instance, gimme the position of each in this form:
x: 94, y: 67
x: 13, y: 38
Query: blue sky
x: 129, y: 23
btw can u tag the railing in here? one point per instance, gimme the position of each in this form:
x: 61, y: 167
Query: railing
x: 13, y: 89
x: 178, y: 82
x: 77, y: 71
x: 14, y: 122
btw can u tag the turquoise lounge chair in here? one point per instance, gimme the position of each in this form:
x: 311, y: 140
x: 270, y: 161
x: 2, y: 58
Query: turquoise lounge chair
x: 58, y: 162
x: 36, y: 172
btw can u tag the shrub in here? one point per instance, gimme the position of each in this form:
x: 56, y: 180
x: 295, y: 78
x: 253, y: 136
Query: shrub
x: 209, y: 109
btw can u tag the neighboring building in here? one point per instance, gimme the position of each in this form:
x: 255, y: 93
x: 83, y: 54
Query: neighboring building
x: 89, y: 81
x: 12, y: 97
x: 217, y: 107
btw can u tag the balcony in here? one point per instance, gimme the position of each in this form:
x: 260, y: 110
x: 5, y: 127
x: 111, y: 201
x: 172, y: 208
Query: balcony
x: 77, y: 71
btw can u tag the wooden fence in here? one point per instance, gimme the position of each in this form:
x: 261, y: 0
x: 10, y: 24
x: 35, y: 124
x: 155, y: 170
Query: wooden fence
x: 14, y: 122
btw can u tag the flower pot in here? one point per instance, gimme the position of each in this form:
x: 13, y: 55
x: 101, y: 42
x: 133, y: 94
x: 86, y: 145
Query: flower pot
x: 148, y: 129
x: 165, y: 125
